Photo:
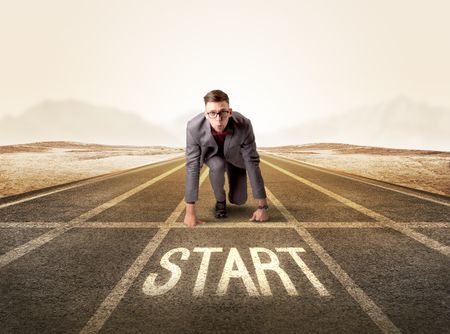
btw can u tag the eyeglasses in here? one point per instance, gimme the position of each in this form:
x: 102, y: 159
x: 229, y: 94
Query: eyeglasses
x: 222, y: 114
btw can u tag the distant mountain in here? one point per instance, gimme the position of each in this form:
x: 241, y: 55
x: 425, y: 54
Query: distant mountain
x: 397, y: 123
x: 73, y: 120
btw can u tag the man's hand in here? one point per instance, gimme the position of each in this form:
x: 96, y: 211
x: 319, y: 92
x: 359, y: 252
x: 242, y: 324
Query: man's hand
x: 190, y: 219
x: 260, y: 215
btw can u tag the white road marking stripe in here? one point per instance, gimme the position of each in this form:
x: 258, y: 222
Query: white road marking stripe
x: 430, y: 243
x: 91, y: 213
x: 339, y: 225
x: 244, y: 224
x: 31, y: 245
x: 88, y: 181
x: 355, y: 178
x: 106, y: 308
x: 364, y: 301
x: 215, y: 224
x: 120, y: 225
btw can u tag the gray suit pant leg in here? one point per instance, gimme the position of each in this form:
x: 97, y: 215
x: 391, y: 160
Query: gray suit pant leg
x: 237, y: 180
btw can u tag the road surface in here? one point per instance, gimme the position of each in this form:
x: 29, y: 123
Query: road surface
x: 340, y: 254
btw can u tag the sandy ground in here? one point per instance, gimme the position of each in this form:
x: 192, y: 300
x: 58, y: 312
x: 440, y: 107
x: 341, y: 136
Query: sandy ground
x: 33, y: 166
x: 418, y: 169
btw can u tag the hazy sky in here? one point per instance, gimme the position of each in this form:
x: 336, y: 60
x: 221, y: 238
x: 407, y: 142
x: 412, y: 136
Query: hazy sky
x: 280, y: 61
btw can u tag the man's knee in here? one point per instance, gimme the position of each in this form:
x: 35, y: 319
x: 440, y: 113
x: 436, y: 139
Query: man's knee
x: 238, y: 200
x: 216, y: 164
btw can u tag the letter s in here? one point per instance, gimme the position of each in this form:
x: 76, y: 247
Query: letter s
x: 150, y: 288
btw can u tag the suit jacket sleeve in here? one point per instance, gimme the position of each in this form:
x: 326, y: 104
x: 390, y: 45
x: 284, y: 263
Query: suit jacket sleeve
x: 251, y: 160
x: 193, y: 152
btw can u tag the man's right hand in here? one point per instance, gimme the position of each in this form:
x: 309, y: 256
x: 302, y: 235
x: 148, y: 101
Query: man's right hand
x: 191, y: 220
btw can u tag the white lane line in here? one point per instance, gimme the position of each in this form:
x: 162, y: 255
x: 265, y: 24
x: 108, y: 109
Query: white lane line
x: 120, y: 225
x: 91, y: 213
x: 215, y: 224
x: 246, y: 224
x: 110, y: 303
x: 339, y: 225
x: 356, y: 178
x: 243, y: 224
x: 380, y: 219
x: 88, y: 181
x: 31, y: 245
x: 364, y: 301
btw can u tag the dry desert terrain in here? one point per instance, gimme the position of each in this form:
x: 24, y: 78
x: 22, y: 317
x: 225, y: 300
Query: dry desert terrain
x: 418, y: 169
x: 33, y: 166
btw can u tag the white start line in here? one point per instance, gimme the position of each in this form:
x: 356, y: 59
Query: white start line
x: 234, y: 260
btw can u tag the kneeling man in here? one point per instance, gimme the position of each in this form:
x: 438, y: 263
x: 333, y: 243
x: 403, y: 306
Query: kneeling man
x: 224, y: 141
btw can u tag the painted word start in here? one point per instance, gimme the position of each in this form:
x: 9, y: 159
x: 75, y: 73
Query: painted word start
x: 233, y: 260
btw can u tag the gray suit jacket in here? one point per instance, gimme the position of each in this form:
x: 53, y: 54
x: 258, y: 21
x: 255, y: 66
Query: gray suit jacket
x: 239, y: 149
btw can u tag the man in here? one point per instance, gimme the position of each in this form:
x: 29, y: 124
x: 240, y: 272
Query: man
x: 224, y: 140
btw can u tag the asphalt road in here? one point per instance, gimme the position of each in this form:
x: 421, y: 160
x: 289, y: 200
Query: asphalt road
x: 340, y: 254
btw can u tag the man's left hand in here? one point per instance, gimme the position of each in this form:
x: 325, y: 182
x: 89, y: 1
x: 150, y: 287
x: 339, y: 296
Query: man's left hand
x: 260, y: 215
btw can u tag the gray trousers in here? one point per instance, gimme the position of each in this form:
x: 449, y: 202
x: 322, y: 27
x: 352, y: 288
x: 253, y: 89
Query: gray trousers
x: 237, y: 180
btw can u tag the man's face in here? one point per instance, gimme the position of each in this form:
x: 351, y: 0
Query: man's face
x: 218, y: 123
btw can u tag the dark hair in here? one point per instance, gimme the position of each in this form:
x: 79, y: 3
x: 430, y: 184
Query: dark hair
x: 216, y: 95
